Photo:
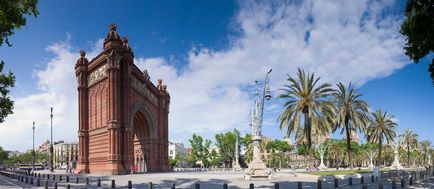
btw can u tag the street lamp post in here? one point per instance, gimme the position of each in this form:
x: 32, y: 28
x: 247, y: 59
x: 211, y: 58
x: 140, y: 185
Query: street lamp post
x: 51, y: 146
x: 257, y: 168
x: 33, y: 151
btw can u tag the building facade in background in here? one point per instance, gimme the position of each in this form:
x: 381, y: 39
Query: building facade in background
x: 65, y: 154
x: 177, y: 148
x: 44, y: 147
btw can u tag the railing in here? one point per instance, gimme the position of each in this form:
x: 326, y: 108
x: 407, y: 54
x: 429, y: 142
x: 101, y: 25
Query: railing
x: 177, y: 169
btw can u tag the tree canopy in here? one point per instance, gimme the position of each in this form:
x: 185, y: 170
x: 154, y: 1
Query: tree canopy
x: 12, y: 16
x: 418, y: 27
x: 199, y: 149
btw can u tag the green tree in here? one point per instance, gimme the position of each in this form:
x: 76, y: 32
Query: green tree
x: 199, y: 149
x: 409, y: 139
x: 3, y: 155
x: 425, y: 148
x: 278, y: 146
x: 246, y: 141
x: 215, y: 159
x: 306, y: 100
x: 418, y: 27
x: 351, y: 113
x: 337, y: 151
x: 12, y: 17
x: 381, y: 127
x: 226, y: 144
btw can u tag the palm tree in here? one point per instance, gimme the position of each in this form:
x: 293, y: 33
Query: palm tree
x: 306, y: 100
x: 351, y: 113
x: 409, y: 138
x: 381, y: 127
x: 425, y: 148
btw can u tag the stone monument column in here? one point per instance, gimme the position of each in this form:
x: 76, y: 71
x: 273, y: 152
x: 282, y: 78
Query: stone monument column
x: 236, y: 166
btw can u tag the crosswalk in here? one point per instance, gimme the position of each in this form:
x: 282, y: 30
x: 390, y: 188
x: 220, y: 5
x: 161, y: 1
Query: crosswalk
x: 6, y: 183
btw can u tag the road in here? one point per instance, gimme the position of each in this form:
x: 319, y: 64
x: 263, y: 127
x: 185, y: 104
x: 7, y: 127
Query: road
x: 6, y: 182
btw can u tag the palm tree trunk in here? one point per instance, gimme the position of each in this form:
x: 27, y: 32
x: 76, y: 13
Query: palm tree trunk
x: 408, y: 154
x: 379, y: 152
x: 350, y: 156
x: 309, y: 139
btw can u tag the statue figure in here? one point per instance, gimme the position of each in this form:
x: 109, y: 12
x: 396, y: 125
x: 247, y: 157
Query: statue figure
x: 395, y: 147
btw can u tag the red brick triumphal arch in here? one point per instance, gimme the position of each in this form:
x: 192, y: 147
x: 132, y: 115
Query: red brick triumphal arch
x: 123, y: 116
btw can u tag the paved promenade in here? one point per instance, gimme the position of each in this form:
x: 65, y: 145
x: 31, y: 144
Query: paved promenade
x: 207, y: 180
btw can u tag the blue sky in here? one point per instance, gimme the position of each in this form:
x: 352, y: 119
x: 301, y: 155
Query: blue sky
x: 209, y: 53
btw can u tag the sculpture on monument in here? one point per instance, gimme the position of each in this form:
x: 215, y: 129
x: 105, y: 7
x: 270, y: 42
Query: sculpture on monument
x: 257, y: 169
x: 371, y: 154
x: 395, y: 147
x: 322, y: 148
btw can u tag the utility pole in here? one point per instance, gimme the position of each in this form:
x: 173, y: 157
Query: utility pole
x: 51, y: 146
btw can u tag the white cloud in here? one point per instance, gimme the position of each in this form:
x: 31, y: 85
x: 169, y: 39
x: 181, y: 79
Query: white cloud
x: 350, y: 41
x: 56, y: 87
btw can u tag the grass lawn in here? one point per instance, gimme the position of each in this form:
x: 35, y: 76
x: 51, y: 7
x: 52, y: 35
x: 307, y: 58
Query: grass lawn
x: 343, y: 172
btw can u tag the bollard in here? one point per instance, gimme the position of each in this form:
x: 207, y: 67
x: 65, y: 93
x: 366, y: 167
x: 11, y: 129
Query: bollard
x: 276, y: 186
x: 55, y: 185
x: 362, y: 180
x: 402, y: 182
x: 39, y: 175
x: 251, y: 186
x: 380, y: 185
x: 336, y: 183
x: 130, y: 184
x: 27, y: 180
x: 54, y: 177
x: 60, y: 177
x: 225, y: 186
x: 43, y: 175
x: 38, y: 182
x: 31, y: 180
x: 113, y: 184
x: 411, y: 181
x: 393, y: 184
x: 197, y: 186
x: 299, y: 185
x: 173, y: 186
x: 319, y: 185
x: 87, y: 181
x: 350, y: 181
x: 364, y: 187
x: 150, y: 185
x: 98, y: 183
x: 46, y: 184
x: 372, y: 178
x: 77, y: 180
x: 48, y: 176
x: 67, y: 178
x: 68, y: 186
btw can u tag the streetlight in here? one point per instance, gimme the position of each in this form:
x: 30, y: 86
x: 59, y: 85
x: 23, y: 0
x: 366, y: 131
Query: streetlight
x: 51, y: 146
x: 257, y: 168
x: 33, y: 151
